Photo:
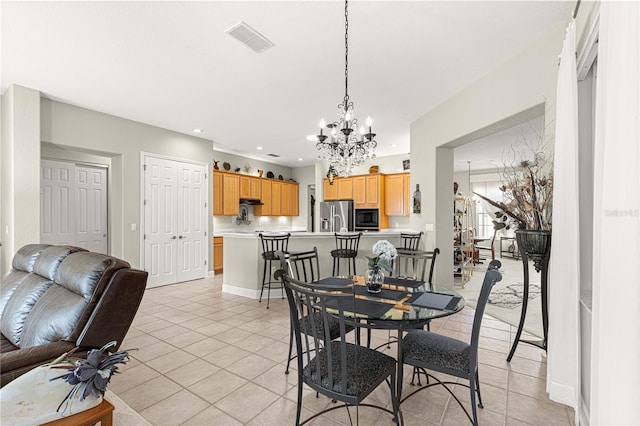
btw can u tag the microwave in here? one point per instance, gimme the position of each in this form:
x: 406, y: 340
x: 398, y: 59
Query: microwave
x: 367, y: 219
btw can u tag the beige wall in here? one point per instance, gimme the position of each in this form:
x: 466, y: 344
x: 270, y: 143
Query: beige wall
x: 79, y: 129
x: 519, y: 84
x: 20, y: 223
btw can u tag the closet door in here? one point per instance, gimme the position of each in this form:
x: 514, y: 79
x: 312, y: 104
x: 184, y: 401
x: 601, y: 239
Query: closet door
x: 175, y: 221
x: 160, y: 233
x: 73, y: 205
x: 91, y: 208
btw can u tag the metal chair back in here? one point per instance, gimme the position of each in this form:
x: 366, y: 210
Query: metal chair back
x: 414, y: 265
x: 304, y: 265
x: 410, y: 240
x: 271, y: 243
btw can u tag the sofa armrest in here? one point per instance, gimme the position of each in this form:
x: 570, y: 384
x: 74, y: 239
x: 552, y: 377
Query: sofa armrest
x: 15, y: 363
x: 115, y: 311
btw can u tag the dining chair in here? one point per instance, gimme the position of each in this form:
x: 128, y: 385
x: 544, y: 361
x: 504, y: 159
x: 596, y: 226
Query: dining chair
x: 414, y: 265
x: 270, y: 245
x: 436, y: 352
x: 346, y: 248
x: 304, y: 266
x: 340, y: 370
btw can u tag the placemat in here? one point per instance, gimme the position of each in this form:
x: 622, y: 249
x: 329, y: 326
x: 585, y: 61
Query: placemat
x: 403, y: 282
x: 384, y: 294
x: 440, y: 301
x: 333, y: 282
x: 370, y: 308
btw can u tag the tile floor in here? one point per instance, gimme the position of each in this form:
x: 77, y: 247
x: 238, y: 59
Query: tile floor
x: 209, y: 358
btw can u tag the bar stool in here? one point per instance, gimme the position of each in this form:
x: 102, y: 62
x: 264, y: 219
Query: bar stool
x: 410, y: 240
x: 346, y: 248
x: 270, y: 245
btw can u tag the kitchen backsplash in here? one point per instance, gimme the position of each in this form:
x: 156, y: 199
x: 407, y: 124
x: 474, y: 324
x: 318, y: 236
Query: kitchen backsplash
x: 252, y: 223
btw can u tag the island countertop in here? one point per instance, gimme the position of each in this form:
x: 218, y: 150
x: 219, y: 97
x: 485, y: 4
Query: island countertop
x: 243, y: 264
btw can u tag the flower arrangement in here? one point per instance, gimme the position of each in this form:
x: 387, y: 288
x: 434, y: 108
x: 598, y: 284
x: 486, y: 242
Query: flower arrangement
x: 527, y: 186
x: 90, y: 376
x: 384, y: 252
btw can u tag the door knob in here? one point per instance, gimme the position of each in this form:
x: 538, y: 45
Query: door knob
x: 173, y: 238
x: 181, y: 237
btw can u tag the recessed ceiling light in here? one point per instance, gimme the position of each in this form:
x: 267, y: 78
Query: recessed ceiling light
x: 197, y: 130
x: 394, y: 145
x: 259, y: 148
x: 300, y: 159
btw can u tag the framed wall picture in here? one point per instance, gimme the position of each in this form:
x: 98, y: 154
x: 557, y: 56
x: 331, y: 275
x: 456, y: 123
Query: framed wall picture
x: 405, y: 164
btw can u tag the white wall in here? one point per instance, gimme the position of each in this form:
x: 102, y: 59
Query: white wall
x: 519, y: 84
x: 305, y: 177
x: 20, y: 222
x: 83, y: 130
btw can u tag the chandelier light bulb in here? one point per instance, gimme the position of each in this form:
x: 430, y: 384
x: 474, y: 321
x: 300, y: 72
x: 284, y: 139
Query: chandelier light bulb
x: 369, y: 121
x: 322, y: 124
x: 362, y: 130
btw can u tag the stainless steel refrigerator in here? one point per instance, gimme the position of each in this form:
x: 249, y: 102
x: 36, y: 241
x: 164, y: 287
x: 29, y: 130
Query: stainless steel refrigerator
x: 336, y: 215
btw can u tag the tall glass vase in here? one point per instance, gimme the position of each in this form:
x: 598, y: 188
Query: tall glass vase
x: 374, y: 280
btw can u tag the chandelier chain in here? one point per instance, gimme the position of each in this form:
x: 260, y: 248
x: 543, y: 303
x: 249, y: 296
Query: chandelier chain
x: 346, y: 52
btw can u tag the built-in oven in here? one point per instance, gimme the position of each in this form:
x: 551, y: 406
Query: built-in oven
x: 367, y: 220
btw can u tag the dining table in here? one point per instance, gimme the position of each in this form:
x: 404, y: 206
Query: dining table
x: 403, y: 304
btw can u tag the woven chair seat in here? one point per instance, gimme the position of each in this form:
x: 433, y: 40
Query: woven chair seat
x: 316, y: 317
x: 426, y: 348
x: 365, y: 369
x: 344, y: 253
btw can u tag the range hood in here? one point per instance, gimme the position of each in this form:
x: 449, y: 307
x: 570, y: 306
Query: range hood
x: 250, y: 202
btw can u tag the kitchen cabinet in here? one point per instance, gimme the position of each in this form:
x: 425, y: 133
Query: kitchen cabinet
x: 250, y: 187
x: 345, y: 189
x: 285, y: 200
x: 276, y: 198
x: 330, y: 191
x: 265, y: 209
x: 292, y: 201
x: 396, y: 202
x: 230, y: 194
x: 217, y: 254
x: 217, y: 194
x: 342, y: 189
x: 406, y: 185
x: 368, y: 191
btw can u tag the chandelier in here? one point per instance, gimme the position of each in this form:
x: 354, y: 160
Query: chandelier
x: 344, y: 146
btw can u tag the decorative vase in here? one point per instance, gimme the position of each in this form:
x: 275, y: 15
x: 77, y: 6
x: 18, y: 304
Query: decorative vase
x: 260, y: 172
x: 215, y: 165
x: 374, y: 281
x: 536, y: 243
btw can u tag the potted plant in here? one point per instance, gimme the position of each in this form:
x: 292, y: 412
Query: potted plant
x: 384, y: 253
x: 527, y: 187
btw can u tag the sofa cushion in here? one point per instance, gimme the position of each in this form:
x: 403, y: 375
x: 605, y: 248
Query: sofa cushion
x: 63, y: 307
x: 25, y: 295
x: 19, y: 306
x: 50, y: 259
x: 22, y: 265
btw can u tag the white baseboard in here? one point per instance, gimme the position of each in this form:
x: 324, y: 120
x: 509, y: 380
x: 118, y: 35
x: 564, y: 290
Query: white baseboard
x: 561, y: 393
x: 210, y: 274
x: 250, y: 292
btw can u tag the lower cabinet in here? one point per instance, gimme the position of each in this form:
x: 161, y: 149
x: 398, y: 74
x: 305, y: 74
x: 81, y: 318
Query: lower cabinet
x: 217, y: 254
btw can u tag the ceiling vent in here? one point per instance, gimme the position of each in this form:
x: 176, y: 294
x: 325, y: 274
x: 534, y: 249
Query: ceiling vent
x: 247, y: 35
x: 273, y: 155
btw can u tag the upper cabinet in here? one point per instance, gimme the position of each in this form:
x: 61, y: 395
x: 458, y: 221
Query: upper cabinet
x: 279, y: 198
x: 368, y: 191
x: 396, y: 202
x: 230, y: 194
x: 217, y: 194
x: 342, y: 189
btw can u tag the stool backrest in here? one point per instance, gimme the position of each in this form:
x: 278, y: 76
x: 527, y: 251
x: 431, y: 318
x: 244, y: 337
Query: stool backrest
x: 272, y: 243
x: 348, y: 243
x: 410, y: 241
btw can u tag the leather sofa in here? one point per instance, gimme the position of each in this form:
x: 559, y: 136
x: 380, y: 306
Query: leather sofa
x: 56, y: 298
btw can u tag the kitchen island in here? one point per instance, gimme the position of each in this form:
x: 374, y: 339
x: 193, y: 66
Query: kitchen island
x: 243, y: 257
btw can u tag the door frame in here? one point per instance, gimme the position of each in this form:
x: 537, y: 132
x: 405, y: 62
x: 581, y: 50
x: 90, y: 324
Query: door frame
x: 143, y: 156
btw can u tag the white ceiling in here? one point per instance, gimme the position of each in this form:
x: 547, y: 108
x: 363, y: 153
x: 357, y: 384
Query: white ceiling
x: 170, y: 64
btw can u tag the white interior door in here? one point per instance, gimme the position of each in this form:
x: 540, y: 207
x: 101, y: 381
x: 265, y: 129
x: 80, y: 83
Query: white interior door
x: 160, y: 233
x: 57, y: 190
x: 73, y: 205
x: 91, y: 217
x: 175, y: 221
x: 191, y: 217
